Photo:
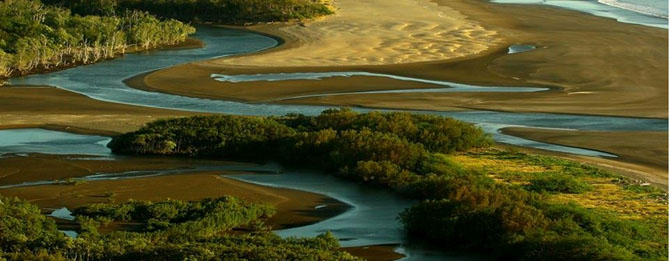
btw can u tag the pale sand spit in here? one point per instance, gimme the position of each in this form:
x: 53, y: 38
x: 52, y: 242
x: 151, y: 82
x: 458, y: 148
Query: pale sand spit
x: 375, y: 32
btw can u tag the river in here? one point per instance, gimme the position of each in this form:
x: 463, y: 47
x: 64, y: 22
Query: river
x: 372, y: 219
x: 104, y: 81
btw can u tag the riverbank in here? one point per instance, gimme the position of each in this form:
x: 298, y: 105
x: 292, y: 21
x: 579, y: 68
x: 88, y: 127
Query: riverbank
x: 599, y: 81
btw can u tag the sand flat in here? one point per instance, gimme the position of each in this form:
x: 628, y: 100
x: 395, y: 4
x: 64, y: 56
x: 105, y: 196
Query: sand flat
x: 373, y: 32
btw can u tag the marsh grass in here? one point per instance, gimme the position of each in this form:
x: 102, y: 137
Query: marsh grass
x: 590, y: 187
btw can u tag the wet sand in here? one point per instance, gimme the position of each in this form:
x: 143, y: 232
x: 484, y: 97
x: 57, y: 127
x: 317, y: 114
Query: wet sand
x: 602, y: 67
x: 294, y: 208
x: 16, y: 169
x: 641, y: 154
x: 53, y: 108
x: 375, y: 253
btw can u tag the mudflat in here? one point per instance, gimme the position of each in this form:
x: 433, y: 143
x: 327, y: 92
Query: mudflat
x: 50, y: 107
x: 375, y: 252
x: 16, y: 169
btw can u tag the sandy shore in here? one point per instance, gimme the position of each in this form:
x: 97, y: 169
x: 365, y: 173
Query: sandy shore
x: 641, y: 154
x: 42, y: 106
x: 601, y: 66
x: 377, y: 32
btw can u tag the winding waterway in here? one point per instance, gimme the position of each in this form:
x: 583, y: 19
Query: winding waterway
x: 371, y: 220
x: 104, y: 81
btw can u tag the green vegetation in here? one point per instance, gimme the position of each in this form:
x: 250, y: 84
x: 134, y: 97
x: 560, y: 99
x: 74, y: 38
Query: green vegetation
x: 512, y: 205
x: 38, y: 37
x: 216, y: 11
x: 336, y: 140
x: 587, y: 214
x: 171, y: 230
x: 178, y: 217
x: 23, y: 227
x: 558, y: 183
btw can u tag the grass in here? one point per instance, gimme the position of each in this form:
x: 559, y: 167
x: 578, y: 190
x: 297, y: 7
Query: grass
x: 597, y: 189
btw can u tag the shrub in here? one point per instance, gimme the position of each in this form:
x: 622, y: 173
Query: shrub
x: 558, y: 183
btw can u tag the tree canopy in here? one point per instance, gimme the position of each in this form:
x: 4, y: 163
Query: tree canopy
x: 215, y: 11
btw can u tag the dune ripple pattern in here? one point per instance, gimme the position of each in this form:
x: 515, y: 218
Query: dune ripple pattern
x: 377, y: 32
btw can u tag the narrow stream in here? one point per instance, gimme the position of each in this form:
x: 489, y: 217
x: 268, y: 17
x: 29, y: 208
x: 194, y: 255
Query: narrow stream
x: 52, y: 142
x: 451, y: 86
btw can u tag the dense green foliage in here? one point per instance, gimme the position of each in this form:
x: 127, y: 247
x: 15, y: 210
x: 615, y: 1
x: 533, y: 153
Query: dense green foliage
x: 218, y: 11
x: 471, y: 211
x: 463, y: 208
x: 335, y: 140
x: 178, y: 217
x: 435, y: 133
x: 558, y: 183
x: 34, y: 36
x: 22, y: 227
x: 171, y: 230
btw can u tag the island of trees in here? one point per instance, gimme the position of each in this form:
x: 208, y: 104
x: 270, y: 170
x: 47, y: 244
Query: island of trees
x: 409, y: 153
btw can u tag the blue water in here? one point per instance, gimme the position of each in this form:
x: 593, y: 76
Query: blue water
x: 372, y: 220
x: 450, y: 86
x: 520, y: 48
x: 658, y: 8
x: 52, y: 142
x: 652, y: 13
